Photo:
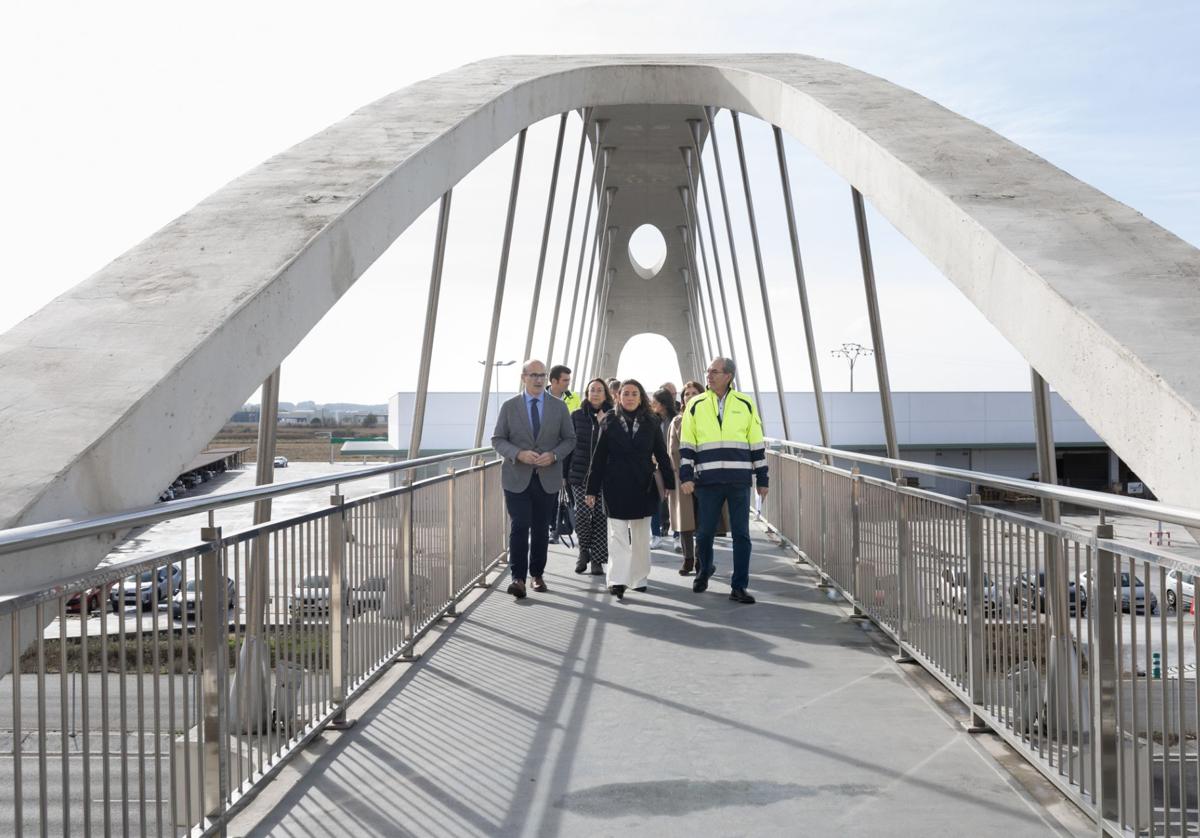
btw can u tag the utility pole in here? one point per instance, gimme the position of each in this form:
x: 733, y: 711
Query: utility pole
x: 851, y: 352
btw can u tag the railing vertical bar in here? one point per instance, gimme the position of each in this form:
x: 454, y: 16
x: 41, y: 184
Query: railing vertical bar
x: 1149, y: 649
x: 84, y: 704
x: 186, y: 664
x: 40, y: 644
x: 63, y: 698
x: 18, y: 792
x: 123, y: 715
x: 141, y: 703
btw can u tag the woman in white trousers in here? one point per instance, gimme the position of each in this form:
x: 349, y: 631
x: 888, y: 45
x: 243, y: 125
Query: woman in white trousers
x: 628, y: 455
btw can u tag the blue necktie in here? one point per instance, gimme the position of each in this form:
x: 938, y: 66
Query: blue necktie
x: 534, y: 419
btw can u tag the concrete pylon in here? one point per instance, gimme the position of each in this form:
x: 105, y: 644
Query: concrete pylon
x: 647, y: 170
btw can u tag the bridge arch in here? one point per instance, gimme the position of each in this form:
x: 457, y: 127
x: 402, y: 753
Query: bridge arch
x: 1068, y: 275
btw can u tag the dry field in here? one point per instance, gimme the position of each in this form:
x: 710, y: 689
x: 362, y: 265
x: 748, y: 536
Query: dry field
x: 303, y: 444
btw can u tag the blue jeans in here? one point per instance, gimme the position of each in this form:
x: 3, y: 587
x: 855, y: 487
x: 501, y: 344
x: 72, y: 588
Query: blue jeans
x: 709, y: 500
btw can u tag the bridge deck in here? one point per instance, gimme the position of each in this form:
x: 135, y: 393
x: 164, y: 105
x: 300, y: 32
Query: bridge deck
x: 669, y: 714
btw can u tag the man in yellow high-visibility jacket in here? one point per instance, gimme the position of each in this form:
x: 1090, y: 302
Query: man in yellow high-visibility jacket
x: 560, y: 386
x: 721, y: 452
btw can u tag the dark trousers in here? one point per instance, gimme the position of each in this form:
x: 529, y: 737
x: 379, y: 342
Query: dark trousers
x: 531, y: 512
x: 708, y: 501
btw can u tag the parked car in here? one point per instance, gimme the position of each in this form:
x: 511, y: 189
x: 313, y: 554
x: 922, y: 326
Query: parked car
x: 93, y: 597
x: 369, y: 594
x: 186, y: 599
x: 166, y: 495
x: 953, y: 590
x: 312, y: 596
x: 1030, y: 589
x: 1187, y: 586
x: 139, y: 590
x: 1139, y: 596
x: 281, y: 462
x: 191, y: 481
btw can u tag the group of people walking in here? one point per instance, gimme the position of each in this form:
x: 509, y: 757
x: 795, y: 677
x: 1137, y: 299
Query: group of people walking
x: 632, y: 462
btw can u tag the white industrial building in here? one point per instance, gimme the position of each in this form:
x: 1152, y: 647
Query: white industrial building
x: 983, y: 431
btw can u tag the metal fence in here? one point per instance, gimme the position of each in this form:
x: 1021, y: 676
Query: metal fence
x: 151, y: 697
x: 1078, y: 649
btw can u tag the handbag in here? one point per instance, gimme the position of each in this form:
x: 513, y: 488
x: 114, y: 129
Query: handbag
x: 565, y: 519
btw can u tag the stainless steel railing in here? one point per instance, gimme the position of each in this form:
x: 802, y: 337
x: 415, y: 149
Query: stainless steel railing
x: 1026, y: 622
x: 189, y: 677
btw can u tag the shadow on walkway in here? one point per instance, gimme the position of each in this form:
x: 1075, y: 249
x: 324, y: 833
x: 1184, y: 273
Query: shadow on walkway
x: 670, y: 713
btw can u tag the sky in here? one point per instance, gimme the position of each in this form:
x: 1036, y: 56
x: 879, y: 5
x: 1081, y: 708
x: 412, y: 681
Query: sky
x: 121, y: 116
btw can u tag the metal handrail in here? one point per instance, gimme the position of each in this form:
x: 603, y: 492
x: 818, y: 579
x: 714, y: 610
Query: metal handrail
x: 55, y: 532
x: 1153, y: 510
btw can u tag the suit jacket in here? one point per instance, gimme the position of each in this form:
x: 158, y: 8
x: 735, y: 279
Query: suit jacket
x: 513, y: 435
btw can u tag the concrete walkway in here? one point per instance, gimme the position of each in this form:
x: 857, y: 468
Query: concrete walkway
x: 670, y: 714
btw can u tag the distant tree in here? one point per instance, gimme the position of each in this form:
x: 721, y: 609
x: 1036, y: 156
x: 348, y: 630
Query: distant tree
x: 371, y: 421
x: 316, y: 420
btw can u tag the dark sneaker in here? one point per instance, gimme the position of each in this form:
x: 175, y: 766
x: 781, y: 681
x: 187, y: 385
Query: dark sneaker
x: 517, y: 588
x: 581, y: 565
x: 740, y: 595
x: 597, y: 569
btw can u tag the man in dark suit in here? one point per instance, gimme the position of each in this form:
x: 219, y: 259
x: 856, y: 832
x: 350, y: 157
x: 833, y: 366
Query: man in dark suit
x: 533, y: 433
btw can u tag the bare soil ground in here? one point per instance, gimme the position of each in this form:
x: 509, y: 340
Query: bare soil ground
x: 303, y: 444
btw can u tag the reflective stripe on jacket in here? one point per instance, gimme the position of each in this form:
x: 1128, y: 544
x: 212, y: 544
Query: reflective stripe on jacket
x: 728, y: 449
x: 572, y: 400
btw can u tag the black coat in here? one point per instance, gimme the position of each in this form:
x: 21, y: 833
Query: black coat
x: 622, y: 467
x: 587, y: 434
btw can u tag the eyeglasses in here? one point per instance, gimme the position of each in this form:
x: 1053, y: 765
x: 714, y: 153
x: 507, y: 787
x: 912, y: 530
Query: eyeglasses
x: 535, y: 375
x: 715, y: 372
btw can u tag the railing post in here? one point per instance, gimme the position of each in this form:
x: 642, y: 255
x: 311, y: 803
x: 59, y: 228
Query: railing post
x: 903, y: 568
x: 407, y: 554
x: 482, y: 524
x: 338, y: 611
x: 214, y: 626
x: 451, y: 611
x: 822, y: 570
x: 1107, y: 669
x: 855, y: 523
x: 975, y: 609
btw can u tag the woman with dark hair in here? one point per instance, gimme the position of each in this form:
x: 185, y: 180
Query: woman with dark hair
x: 683, y: 507
x: 589, y: 521
x: 663, y: 405
x: 630, y: 449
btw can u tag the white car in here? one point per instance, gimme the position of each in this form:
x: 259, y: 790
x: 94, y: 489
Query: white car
x: 1187, y: 586
x: 953, y: 590
x: 281, y: 462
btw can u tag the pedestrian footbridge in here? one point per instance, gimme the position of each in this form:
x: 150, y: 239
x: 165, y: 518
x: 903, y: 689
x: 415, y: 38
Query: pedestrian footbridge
x: 1013, y: 659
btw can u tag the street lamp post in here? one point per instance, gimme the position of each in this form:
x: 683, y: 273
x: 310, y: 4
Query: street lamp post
x: 851, y: 352
x: 496, y: 379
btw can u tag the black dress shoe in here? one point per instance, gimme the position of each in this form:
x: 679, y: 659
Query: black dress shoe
x: 539, y: 585
x: 597, y: 569
x: 581, y: 565
x: 700, y: 583
x: 617, y: 590
x: 641, y: 590
x: 517, y: 589
x: 740, y: 595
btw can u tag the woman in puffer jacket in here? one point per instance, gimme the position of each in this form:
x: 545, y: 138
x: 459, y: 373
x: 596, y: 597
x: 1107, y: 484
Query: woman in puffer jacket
x: 630, y: 452
x: 591, y: 523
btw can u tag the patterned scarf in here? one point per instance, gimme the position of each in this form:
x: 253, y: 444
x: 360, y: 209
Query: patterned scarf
x: 631, y: 428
